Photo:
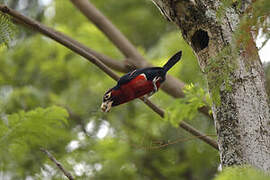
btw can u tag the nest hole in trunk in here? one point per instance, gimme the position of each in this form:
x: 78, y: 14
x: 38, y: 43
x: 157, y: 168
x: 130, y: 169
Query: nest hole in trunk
x: 200, y: 40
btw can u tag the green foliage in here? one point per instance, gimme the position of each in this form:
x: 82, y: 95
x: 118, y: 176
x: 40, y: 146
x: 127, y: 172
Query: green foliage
x: 29, y: 126
x: 187, y: 107
x: 242, y: 173
x: 26, y: 97
x: 25, y: 132
x: 7, y: 30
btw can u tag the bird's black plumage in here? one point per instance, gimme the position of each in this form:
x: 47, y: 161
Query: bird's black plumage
x: 150, y: 72
x: 172, y: 61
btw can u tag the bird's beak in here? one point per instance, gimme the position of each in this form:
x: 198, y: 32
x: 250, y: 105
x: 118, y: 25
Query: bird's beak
x: 106, y: 106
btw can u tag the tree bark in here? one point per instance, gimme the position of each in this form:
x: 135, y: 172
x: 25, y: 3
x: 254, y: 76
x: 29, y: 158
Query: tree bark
x: 235, y: 77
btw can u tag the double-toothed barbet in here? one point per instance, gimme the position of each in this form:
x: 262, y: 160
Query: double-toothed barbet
x: 138, y: 83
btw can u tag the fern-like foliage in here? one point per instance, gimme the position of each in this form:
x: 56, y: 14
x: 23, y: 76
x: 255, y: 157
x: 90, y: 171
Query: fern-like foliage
x: 23, y: 134
x: 7, y: 30
x: 36, y: 126
x: 187, y: 107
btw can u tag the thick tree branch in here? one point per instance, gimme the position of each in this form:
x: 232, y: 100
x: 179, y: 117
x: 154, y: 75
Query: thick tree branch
x: 58, y: 164
x: 76, y: 47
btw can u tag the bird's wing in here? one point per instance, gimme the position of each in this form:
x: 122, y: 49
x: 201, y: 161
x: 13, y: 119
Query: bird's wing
x: 149, y: 73
x: 130, y: 76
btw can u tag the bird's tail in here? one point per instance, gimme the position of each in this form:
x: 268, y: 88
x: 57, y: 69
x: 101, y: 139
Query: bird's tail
x: 172, y: 61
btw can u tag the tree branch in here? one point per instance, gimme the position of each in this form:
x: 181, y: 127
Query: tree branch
x: 77, y: 48
x: 58, y: 164
x: 114, y: 64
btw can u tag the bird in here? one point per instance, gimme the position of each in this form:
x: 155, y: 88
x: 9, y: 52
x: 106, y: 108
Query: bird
x: 142, y: 82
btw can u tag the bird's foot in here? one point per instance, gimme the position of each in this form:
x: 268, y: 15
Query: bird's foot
x: 155, y: 80
x: 150, y: 94
x: 145, y: 97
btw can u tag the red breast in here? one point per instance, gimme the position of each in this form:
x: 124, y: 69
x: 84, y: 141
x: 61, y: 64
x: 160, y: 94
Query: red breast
x: 137, y: 87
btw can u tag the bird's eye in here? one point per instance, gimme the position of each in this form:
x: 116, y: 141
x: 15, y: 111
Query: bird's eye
x: 107, y: 96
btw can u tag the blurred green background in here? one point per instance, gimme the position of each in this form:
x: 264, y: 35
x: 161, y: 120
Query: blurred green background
x: 50, y: 97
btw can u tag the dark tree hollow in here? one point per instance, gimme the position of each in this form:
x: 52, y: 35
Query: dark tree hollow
x: 200, y: 40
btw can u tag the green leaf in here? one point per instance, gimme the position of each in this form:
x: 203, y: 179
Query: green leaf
x: 242, y: 173
x: 187, y: 107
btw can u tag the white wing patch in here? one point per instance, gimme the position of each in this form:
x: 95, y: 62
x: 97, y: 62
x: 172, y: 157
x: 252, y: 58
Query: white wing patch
x: 143, y: 75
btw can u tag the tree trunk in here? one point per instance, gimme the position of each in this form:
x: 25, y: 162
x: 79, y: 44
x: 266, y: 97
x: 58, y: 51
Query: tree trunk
x: 235, y: 78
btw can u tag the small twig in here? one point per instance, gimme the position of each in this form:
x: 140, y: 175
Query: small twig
x: 73, y: 45
x: 164, y: 143
x: 198, y: 134
x: 58, y: 164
